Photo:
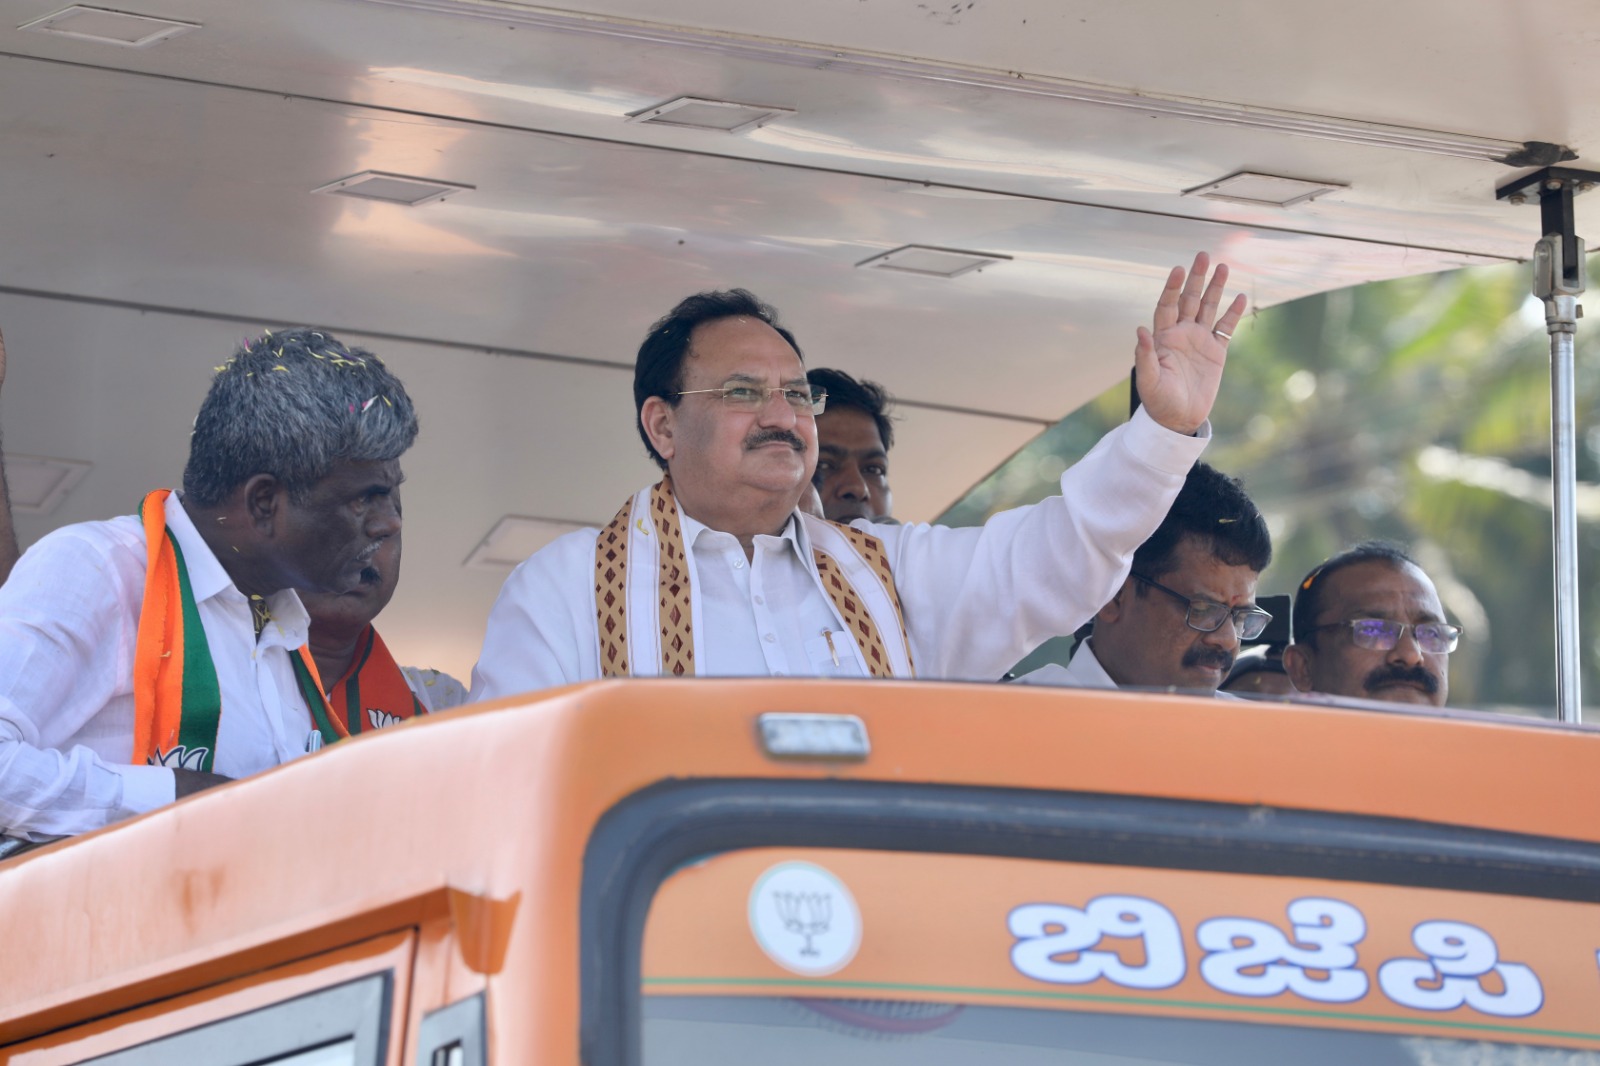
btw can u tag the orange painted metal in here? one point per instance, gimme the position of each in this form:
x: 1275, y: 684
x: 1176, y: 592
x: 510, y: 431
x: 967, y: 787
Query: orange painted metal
x: 498, y: 801
x: 392, y: 952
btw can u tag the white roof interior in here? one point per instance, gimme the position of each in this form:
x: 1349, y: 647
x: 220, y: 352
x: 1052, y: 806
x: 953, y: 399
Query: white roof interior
x: 158, y: 206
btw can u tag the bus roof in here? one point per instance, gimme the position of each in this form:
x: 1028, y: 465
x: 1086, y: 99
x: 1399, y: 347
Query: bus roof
x: 500, y: 802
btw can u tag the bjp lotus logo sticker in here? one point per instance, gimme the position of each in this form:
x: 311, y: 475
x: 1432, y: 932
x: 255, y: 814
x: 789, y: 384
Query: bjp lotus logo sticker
x: 805, y: 919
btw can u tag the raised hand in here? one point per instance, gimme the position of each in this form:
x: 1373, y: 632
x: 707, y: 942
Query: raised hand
x: 1179, y: 360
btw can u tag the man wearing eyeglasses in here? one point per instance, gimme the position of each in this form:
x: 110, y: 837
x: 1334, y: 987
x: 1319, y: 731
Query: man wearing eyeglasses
x: 1178, y: 619
x: 714, y: 571
x: 1368, y: 623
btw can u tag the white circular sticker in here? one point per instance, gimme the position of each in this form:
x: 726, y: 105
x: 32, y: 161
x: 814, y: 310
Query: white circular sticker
x: 805, y: 919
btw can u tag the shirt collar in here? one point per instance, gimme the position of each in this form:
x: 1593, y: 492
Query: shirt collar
x: 207, y: 578
x: 692, y: 528
x: 206, y: 575
x: 1085, y: 668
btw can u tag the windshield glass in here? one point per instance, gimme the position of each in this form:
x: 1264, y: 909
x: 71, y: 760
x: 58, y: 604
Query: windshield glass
x: 886, y: 957
x: 728, y: 1030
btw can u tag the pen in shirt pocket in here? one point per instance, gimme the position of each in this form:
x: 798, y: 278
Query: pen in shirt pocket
x: 827, y: 636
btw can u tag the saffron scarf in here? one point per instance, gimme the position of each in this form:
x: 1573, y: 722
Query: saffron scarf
x: 372, y: 693
x: 646, y: 607
x: 177, y: 703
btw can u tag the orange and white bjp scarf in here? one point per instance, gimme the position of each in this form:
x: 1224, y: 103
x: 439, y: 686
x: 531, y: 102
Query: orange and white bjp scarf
x: 177, y: 703
x: 647, y: 609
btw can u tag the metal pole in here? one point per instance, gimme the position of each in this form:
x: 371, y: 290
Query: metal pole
x: 1559, y: 277
x: 1563, y: 451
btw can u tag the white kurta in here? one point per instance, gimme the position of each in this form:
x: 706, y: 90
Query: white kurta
x: 976, y: 600
x: 69, y: 621
x: 1083, y: 670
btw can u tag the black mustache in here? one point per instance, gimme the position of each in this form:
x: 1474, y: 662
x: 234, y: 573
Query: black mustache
x: 1397, y: 674
x: 775, y: 436
x: 1203, y: 655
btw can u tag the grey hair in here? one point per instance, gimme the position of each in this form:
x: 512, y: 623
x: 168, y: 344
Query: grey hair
x: 292, y: 404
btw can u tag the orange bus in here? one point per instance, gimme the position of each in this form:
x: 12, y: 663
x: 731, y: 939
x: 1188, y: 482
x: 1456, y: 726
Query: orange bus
x: 727, y: 871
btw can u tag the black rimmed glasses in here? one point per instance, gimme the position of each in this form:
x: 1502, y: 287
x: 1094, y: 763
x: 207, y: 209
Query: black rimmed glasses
x: 1381, y: 634
x: 742, y: 397
x: 1208, y: 616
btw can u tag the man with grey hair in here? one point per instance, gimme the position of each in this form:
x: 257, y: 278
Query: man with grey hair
x: 147, y: 657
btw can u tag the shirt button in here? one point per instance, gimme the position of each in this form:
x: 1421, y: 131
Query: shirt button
x: 760, y: 601
x: 738, y: 564
x: 770, y: 639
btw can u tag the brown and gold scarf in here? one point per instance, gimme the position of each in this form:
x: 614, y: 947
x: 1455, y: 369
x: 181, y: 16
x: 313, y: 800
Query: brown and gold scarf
x: 646, y: 615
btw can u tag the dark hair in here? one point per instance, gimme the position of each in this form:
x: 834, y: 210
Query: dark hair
x: 292, y: 404
x: 658, y: 370
x: 1212, y: 507
x: 1308, y: 594
x: 846, y: 391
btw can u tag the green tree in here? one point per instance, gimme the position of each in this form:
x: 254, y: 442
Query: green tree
x: 1416, y: 410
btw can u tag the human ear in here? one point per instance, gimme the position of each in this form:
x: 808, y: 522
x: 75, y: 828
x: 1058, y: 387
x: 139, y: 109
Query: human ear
x: 1297, y: 664
x: 658, y: 418
x: 263, y: 496
x: 1113, y: 610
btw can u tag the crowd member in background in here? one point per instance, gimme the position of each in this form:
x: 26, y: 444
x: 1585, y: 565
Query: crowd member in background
x: 1258, y: 671
x: 714, y: 570
x: 8, y: 532
x: 1180, y: 615
x: 854, y: 435
x: 146, y: 657
x: 1368, y: 623
x: 366, y: 688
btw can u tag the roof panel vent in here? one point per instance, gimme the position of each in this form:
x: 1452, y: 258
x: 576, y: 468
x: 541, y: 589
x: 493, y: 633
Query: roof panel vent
x: 38, y: 485
x: 515, y: 537
x: 393, y: 188
x: 1263, y: 190
x: 697, y: 113
x: 109, y: 27
x: 933, y: 262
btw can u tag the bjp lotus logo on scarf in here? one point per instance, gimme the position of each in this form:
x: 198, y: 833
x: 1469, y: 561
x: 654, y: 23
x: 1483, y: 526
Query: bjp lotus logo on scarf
x: 180, y: 758
x: 381, y: 719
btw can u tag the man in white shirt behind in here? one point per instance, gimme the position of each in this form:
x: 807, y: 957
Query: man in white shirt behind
x: 1179, y: 617
x: 714, y: 571
x: 292, y: 482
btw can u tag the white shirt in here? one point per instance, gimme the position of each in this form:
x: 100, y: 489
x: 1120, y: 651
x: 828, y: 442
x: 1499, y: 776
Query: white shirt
x: 437, y: 691
x: 1083, y: 670
x: 69, y: 620
x: 975, y: 600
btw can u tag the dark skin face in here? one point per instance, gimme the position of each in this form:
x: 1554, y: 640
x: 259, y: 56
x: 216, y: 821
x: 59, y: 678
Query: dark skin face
x: 339, y: 620
x: 267, y: 541
x: 1333, y: 664
x: 332, y: 536
x: 1141, y: 637
x: 852, y: 466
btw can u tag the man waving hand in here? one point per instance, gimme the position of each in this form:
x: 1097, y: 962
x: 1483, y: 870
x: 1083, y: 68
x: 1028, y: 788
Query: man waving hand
x: 713, y: 570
